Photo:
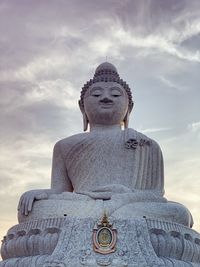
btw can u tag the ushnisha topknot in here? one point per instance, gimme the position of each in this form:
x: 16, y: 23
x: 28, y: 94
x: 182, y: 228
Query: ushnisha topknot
x: 106, y: 72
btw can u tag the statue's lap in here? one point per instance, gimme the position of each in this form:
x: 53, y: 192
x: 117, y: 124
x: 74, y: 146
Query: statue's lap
x: 120, y: 206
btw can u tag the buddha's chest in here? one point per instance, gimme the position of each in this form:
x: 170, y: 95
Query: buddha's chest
x: 103, y: 156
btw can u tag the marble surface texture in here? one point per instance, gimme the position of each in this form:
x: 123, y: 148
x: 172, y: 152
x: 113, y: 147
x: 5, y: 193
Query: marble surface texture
x: 67, y: 242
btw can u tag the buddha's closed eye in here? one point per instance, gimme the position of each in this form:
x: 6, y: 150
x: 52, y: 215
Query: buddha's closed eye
x: 116, y: 93
x: 96, y: 93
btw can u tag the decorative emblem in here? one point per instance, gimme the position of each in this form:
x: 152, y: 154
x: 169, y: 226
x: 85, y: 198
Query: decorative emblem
x: 133, y: 143
x: 104, y: 236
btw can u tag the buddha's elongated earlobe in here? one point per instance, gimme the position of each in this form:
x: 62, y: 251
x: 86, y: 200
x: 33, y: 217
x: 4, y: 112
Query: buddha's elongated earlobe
x: 85, y: 122
x: 85, y: 118
x: 126, y: 120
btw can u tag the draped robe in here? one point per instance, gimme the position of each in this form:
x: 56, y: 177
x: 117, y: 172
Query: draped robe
x: 99, y: 164
x: 113, y: 170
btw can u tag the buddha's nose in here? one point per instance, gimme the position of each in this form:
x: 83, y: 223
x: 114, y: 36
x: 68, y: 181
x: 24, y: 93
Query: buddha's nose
x: 106, y: 100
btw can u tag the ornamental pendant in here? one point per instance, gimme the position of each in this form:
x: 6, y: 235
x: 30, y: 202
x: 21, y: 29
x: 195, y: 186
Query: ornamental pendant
x: 104, y: 236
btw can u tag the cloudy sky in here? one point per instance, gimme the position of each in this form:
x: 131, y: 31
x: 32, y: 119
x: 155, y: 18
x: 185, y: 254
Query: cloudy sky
x: 49, y: 49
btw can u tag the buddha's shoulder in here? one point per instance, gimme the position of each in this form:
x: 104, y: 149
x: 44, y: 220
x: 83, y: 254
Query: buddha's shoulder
x: 72, y: 140
x: 132, y: 133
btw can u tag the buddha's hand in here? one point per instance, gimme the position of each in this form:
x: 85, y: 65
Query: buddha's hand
x: 27, y: 199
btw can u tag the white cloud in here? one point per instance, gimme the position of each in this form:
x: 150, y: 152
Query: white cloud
x: 60, y: 92
x: 152, y: 41
x: 154, y: 130
x: 168, y: 82
x: 195, y: 126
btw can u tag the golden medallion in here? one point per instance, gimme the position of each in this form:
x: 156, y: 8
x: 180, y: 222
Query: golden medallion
x: 104, y: 236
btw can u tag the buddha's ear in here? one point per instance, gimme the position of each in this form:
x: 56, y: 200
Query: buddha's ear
x: 126, y: 118
x: 85, y: 118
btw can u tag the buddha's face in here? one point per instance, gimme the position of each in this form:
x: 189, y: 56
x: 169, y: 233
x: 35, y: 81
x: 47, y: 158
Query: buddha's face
x: 106, y: 103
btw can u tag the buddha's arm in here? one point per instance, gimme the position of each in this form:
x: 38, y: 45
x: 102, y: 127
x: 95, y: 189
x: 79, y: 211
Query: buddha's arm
x: 150, y: 174
x: 156, y: 175
x: 155, y: 183
x: 59, y: 183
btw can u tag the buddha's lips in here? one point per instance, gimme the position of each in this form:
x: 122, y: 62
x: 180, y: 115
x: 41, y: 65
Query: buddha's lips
x: 106, y: 103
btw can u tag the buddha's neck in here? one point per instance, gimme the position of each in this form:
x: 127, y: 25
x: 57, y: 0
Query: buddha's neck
x: 105, y: 128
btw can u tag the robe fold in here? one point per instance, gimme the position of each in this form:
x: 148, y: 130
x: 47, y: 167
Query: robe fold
x: 100, y: 163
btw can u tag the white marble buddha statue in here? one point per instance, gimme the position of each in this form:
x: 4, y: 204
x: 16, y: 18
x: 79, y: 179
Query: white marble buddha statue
x: 107, y: 167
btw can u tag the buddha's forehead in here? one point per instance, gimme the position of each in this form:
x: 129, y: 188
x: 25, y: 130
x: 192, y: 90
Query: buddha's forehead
x: 106, y: 86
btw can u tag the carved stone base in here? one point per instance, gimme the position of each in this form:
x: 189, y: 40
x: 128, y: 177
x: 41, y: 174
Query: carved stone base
x: 67, y: 242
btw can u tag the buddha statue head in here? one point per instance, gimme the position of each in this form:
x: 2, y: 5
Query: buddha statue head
x: 106, y: 99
